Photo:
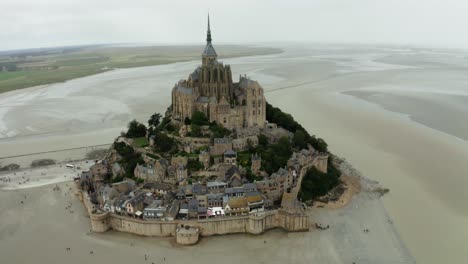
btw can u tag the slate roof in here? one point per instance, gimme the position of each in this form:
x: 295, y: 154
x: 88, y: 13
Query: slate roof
x: 185, y: 90
x: 194, y: 75
x: 215, y: 184
x: 214, y: 197
x: 199, y: 189
x: 247, y: 83
x: 222, y: 140
x: 233, y: 170
x: 230, y: 153
x: 248, y: 187
x: 209, y: 50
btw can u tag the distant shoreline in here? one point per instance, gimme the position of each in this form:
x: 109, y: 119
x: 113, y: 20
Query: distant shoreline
x: 33, y: 70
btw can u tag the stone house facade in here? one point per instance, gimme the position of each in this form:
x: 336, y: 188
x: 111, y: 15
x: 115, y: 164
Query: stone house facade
x: 221, y: 145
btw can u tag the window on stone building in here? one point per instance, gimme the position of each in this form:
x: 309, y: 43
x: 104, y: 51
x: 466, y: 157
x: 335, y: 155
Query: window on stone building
x: 253, y: 112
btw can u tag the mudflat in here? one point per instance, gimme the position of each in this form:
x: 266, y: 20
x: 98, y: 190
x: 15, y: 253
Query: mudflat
x: 46, y: 220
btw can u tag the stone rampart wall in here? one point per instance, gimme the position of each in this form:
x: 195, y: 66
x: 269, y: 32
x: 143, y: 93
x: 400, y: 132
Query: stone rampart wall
x: 253, y: 224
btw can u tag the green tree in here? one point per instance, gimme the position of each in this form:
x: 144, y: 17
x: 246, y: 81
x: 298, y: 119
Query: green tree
x: 275, y: 115
x: 155, y: 120
x: 163, y: 143
x: 136, y: 129
x: 129, y: 158
x: 262, y: 140
x: 219, y: 131
x: 196, y: 131
x: 199, y: 118
x: 299, y: 139
x: 317, y: 183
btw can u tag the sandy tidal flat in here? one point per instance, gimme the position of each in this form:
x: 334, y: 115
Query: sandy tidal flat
x: 45, y: 213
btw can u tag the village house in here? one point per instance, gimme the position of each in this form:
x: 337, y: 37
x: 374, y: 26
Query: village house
x: 240, y: 144
x: 193, y: 208
x: 221, y: 145
x: 119, y: 204
x: 158, y: 188
x: 183, y: 210
x: 215, y: 199
x: 233, y: 177
x: 216, y: 186
x: 202, y: 212
x: 155, y: 210
x: 256, y: 161
x: 135, y: 204
x: 145, y: 172
x: 106, y: 193
x: 230, y: 156
x: 199, y: 189
x: 202, y: 200
x: 274, y: 187
x: 160, y: 168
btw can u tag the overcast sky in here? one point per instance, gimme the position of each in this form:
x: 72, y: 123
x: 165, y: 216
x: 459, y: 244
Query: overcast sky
x: 44, y: 23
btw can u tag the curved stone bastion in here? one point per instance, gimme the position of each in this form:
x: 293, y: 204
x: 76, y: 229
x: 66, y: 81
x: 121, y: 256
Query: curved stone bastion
x: 187, y: 232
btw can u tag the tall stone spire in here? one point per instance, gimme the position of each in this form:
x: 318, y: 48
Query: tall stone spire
x: 208, y: 33
x: 209, y: 54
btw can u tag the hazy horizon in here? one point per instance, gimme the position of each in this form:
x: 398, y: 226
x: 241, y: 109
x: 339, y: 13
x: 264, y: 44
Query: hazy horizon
x: 56, y: 23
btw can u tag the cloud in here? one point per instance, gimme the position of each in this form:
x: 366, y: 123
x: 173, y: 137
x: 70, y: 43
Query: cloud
x: 40, y: 23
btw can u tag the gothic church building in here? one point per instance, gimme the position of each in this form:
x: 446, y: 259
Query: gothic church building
x: 210, y: 89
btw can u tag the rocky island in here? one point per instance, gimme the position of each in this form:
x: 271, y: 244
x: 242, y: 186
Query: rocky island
x: 220, y: 160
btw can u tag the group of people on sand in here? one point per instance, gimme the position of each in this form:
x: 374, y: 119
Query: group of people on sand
x: 319, y: 226
x: 5, y: 179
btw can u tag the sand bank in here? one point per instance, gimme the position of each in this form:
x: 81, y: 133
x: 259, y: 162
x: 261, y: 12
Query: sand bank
x: 46, y: 175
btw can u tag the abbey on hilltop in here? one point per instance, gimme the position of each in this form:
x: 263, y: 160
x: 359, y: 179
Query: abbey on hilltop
x: 210, y: 89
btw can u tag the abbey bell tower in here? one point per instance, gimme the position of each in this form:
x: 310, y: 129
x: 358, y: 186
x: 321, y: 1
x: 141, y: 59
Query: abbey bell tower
x: 209, y: 54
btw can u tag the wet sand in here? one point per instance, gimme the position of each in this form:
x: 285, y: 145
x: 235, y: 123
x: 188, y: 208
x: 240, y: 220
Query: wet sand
x: 44, y: 226
x: 44, y: 175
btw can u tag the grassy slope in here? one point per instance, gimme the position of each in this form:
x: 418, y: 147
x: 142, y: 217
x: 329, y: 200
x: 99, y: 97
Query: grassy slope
x: 94, y: 60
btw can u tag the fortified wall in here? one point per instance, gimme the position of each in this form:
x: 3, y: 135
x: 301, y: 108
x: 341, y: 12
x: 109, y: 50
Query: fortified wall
x: 188, y: 231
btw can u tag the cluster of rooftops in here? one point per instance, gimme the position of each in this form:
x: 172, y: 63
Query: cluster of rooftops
x: 203, y: 199
x: 162, y: 201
